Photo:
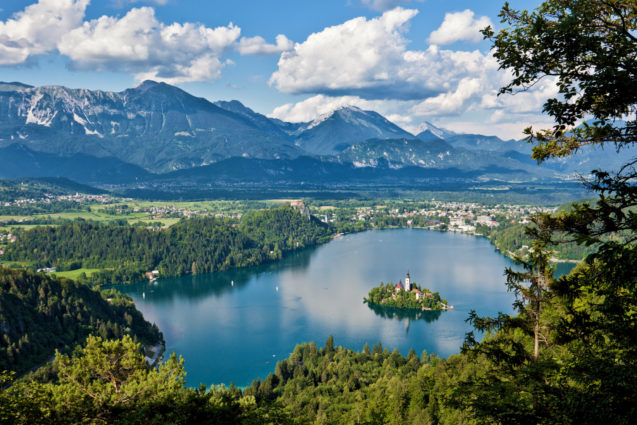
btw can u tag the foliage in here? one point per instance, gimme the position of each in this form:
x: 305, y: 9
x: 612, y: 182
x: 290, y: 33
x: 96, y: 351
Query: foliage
x: 42, y: 208
x: 387, y: 295
x: 110, y: 382
x: 512, y: 239
x: 589, y: 49
x: 197, y: 245
x: 586, y: 371
x: 39, y: 314
x: 282, y: 229
x: 333, y: 385
x: 37, y: 188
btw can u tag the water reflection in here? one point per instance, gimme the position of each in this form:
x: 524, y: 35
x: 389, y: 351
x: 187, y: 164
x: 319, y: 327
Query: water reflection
x: 404, y: 313
x: 220, y: 283
x: 237, y: 332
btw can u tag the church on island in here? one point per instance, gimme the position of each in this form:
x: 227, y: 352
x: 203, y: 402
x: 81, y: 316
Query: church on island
x: 408, y: 295
x: 410, y: 288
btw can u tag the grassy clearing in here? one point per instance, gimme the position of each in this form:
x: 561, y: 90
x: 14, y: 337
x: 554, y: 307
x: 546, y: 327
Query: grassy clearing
x: 104, y: 212
x: 14, y: 227
x: 164, y: 221
x: 74, y: 274
x: 11, y: 217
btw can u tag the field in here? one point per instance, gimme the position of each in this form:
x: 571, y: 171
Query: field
x: 164, y: 213
x: 74, y: 274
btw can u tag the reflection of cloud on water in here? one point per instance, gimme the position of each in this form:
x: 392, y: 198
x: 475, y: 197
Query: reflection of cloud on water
x: 341, y: 306
x: 405, y: 314
x: 448, y: 344
x: 338, y: 307
x: 320, y: 292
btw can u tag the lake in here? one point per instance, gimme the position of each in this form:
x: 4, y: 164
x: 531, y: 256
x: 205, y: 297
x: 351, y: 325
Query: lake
x: 234, y: 326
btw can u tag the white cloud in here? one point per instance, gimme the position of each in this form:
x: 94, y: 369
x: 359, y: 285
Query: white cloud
x: 359, y: 57
x: 315, y: 106
x: 258, y: 46
x: 504, y: 130
x: 136, y: 42
x: 38, y: 28
x: 529, y: 101
x: 400, y: 119
x: 369, y: 59
x: 459, y: 26
x: 452, y: 102
x: 310, y: 108
x: 139, y: 43
x: 365, y: 63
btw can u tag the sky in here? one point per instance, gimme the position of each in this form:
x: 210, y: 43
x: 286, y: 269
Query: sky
x: 414, y: 61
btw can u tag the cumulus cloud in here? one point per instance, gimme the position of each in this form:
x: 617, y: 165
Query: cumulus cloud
x: 258, y: 46
x: 359, y: 57
x: 522, y: 102
x: 136, y: 42
x: 38, y: 28
x: 451, y: 102
x: 315, y: 106
x: 459, y: 26
x: 366, y: 63
x: 139, y: 43
x: 369, y: 59
x: 504, y: 130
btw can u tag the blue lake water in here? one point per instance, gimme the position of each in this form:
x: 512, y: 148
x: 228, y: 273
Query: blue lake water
x: 234, y: 326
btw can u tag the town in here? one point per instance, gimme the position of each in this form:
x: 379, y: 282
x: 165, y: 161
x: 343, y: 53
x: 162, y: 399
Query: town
x: 464, y: 217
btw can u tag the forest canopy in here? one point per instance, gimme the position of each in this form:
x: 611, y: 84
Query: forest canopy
x: 197, y: 245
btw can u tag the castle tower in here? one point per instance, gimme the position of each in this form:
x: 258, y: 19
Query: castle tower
x: 407, y: 282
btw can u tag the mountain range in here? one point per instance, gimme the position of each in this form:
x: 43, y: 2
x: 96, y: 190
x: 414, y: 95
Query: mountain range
x: 158, y: 132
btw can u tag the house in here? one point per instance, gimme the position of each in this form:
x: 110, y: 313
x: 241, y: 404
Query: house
x: 417, y: 292
x: 46, y: 270
x: 399, y: 286
x: 152, y: 275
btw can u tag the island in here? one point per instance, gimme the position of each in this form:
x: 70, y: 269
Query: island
x: 406, y: 296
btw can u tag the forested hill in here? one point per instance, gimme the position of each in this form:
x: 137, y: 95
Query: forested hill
x: 197, y: 245
x: 39, y: 314
x: 25, y: 188
x: 340, y: 386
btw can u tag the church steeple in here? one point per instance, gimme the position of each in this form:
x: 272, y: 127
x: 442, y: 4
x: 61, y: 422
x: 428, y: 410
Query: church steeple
x: 407, y: 282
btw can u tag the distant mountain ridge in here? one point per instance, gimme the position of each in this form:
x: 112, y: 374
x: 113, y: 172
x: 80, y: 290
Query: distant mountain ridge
x: 143, y: 133
x: 16, y: 159
x: 156, y: 126
x: 332, y: 133
x: 427, y: 130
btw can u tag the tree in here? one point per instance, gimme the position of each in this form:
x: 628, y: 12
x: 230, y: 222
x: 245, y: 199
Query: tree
x: 514, y: 389
x: 111, y: 378
x: 110, y: 382
x: 589, y: 47
x: 590, y: 373
x: 329, y: 344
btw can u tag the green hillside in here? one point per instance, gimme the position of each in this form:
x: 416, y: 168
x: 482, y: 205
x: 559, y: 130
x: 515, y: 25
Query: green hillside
x: 39, y: 314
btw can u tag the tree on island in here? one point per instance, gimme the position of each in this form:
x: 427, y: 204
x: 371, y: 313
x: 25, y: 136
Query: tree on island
x: 390, y: 295
x: 583, y: 368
